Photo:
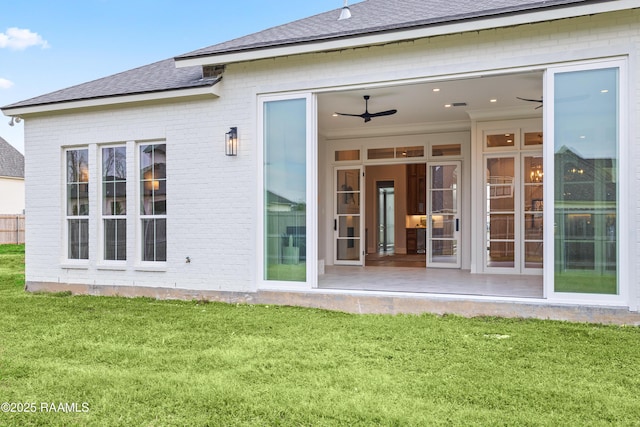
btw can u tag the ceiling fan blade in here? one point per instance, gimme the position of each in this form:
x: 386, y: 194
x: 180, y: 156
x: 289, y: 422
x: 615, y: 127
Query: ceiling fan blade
x: 383, y: 113
x: 530, y: 100
x: 367, y: 116
x: 351, y: 115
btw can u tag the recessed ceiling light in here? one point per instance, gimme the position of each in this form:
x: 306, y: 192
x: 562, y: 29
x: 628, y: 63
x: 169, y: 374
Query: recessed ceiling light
x: 583, y: 137
x: 604, y: 91
x: 493, y: 100
x: 447, y: 105
x: 435, y: 89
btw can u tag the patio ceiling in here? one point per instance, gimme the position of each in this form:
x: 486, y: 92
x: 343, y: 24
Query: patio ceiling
x: 425, y: 104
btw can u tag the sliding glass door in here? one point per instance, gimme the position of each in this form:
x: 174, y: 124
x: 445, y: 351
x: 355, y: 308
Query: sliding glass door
x: 285, y: 195
x: 586, y: 158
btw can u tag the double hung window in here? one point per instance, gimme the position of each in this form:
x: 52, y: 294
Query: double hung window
x: 77, y: 168
x: 153, y: 201
x: 114, y: 203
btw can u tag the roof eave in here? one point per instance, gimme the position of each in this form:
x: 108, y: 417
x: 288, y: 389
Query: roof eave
x: 392, y: 36
x: 209, y: 90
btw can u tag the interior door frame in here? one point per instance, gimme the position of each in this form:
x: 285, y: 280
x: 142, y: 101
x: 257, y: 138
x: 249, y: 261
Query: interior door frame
x: 458, y: 218
x: 336, y: 216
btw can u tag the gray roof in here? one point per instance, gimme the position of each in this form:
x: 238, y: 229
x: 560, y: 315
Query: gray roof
x: 157, y: 77
x: 368, y: 17
x: 11, y: 160
x: 376, y: 16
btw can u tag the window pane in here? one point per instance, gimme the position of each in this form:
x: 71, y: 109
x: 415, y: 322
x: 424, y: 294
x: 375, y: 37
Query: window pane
x: 114, y: 198
x: 78, y: 238
x: 501, y: 140
x: 532, y: 138
x: 402, y: 152
x: 344, y: 155
x: 115, y: 235
x: 77, y: 182
x: 285, y: 141
x: 77, y: 166
x: 153, y: 179
x: 380, y: 153
x: 114, y: 164
x: 585, y: 189
x: 154, y: 239
x: 114, y: 184
x: 446, y: 150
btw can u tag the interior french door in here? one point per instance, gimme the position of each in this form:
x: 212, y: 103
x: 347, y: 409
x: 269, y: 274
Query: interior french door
x: 444, y: 205
x: 348, y: 222
x: 514, y: 213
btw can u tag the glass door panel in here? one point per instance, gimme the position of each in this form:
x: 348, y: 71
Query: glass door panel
x: 532, y: 211
x: 348, y: 215
x: 386, y: 216
x: 444, y: 215
x: 500, y: 212
x: 586, y: 140
x: 285, y: 194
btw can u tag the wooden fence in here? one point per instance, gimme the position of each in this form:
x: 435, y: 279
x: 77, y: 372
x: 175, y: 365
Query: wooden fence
x: 11, y: 229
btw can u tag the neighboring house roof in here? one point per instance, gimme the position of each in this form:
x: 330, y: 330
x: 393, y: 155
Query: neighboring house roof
x: 375, y: 16
x: 11, y: 161
x: 157, y: 77
x: 273, y: 198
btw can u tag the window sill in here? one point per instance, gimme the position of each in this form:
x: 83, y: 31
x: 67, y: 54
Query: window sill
x: 112, y: 267
x: 71, y: 265
x: 156, y: 267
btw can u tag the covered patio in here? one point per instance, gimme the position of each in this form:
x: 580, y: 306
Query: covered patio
x: 431, y: 281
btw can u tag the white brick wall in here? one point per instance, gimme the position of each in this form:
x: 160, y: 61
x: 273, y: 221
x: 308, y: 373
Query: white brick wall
x: 212, y: 198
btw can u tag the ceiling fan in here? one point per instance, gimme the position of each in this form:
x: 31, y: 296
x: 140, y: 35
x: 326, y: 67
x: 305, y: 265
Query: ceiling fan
x: 532, y: 100
x: 367, y: 116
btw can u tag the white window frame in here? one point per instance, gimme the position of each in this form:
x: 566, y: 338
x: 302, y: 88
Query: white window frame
x: 624, y: 266
x: 67, y: 261
x: 140, y: 262
x: 100, y: 207
x: 311, y: 192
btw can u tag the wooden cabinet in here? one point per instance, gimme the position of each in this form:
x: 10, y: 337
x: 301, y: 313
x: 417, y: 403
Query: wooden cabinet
x: 416, y: 239
x: 417, y: 189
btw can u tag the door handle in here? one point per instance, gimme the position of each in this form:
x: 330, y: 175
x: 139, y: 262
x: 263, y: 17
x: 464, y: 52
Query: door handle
x: 335, y: 225
x: 457, y: 224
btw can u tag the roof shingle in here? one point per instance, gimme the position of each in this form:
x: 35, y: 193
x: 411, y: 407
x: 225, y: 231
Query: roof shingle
x: 11, y: 161
x: 374, y: 16
x: 156, y: 77
x: 368, y: 17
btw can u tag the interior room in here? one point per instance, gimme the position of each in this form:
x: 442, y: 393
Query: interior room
x: 416, y: 146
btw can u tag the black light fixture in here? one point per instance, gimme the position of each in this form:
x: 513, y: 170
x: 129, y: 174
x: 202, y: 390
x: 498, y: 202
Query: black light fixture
x: 231, y: 142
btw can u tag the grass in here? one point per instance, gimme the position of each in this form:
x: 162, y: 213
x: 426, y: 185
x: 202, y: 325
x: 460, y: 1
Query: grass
x: 161, y: 363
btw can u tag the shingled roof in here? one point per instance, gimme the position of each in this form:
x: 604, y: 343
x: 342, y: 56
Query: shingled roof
x: 11, y: 161
x: 376, y: 16
x: 368, y: 17
x: 157, y: 77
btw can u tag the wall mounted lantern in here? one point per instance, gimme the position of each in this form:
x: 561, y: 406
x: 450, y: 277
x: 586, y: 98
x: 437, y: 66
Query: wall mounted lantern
x: 231, y: 142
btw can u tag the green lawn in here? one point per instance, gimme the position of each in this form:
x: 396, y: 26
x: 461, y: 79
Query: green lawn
x: 141, y: 362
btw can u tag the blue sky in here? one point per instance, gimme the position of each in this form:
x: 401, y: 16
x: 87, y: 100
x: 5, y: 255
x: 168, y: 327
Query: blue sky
x: 48, y: 45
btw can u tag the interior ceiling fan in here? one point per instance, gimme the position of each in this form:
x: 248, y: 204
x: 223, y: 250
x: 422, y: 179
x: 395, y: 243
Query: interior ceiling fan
x: 367, y: 116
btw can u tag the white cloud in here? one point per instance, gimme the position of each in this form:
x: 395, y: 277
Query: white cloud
x: 20, y: 39
x: 5, y: 84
